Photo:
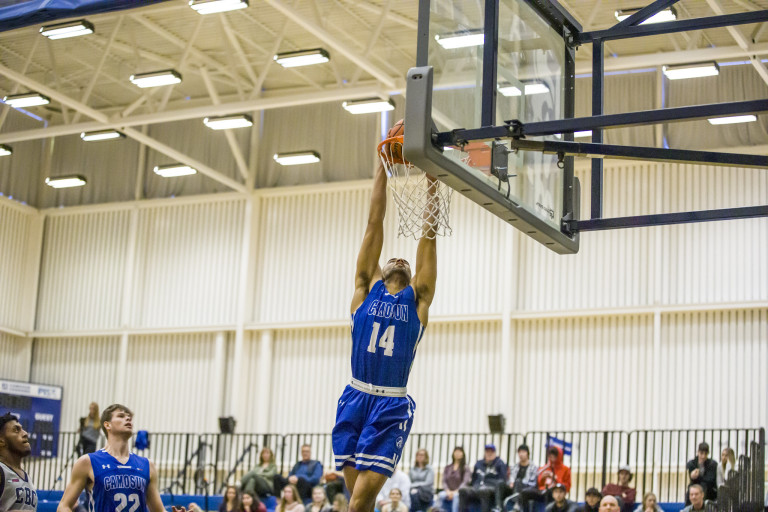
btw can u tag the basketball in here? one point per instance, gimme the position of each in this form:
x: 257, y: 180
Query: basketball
x: 396, y: 148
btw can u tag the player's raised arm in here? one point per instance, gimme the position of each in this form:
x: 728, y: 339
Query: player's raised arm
x: 81, y: 477
x: 154, y: 502
x: 426, y: 255
x: 368, y: 270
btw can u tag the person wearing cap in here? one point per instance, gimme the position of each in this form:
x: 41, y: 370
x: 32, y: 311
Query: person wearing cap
x: 622, y: 489
x: 559, y: 503
x: 703, y: 471
x: 522, y: 477
x: 489, y: 473
x: 591, y: 501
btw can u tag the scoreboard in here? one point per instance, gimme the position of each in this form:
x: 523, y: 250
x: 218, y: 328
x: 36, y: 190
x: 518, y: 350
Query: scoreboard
x: 38, y: 407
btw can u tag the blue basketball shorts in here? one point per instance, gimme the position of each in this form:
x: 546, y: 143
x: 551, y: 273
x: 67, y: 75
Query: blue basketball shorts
x: 371, y: 431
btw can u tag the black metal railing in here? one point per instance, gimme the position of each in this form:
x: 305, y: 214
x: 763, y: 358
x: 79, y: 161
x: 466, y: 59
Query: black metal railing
x: 205, y: 463
x: 744, y: 488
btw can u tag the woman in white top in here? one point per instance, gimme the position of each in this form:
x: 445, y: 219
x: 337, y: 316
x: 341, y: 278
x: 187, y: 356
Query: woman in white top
x: 727, y: 463
x: 290, y: 501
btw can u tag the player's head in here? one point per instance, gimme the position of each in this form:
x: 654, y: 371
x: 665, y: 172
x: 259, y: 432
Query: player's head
x: 117, y: 420
x: 14, y: 440
x: 398, y: 268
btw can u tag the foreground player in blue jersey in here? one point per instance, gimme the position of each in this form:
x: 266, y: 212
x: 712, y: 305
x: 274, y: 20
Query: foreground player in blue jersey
x: 389, y: 314
x: 116, y: 479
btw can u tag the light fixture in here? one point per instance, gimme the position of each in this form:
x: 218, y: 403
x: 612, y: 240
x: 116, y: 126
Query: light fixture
x: 228, y: 122
x: 529, y: 88
x: 733, y: 119
x: 696, y: 70
x: 101, y: 135
x: 297, y: 158
x: 174, y: 170
x: 585, y: 133
x: 302, y: 58
x: 68, y: 29
x: 462, y: 39
x: 668, y: 14
x: 73, y: 180
x: 156, y: 78
x: 368, y: 105
x: 213, y: 6
x: 5, y: 150
x: 27, y: 99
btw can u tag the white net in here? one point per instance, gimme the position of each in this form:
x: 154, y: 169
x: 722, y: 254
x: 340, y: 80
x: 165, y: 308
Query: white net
x: 423, y: 205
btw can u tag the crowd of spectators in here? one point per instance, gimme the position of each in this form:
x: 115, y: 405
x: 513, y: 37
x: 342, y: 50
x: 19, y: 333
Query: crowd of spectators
x: 490, y: 485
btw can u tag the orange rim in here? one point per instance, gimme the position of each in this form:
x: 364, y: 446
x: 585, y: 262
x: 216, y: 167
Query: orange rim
x: 381, y: 148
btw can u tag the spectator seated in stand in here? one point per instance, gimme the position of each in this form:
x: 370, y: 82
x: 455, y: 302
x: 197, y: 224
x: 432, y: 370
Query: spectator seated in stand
x: 610, y: 504
x: 727, y: 464
x: 319, y: 501
x: 489, y: 472
x: 522, y: 477
x: 335, y: 484
x: 305, y: 475
x: 456, y: 475
x: 552, y: 473
x: 697, y: 497
x: 340, y: 503
x: 622, y: 489
x: 250, y: 503
x: 260, y: 480
x: 703, y: 471
x: 559, y: 501
x: 591, y: 501
x: 231, y: 501
x: 649, y: 504
x: 422, y: 482
x: 289, y: 500
x: 398, y: 480
x: 395, y: 503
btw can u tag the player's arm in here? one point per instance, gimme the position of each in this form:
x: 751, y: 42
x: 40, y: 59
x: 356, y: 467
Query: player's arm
x: 154, y: 502
x: 368, y: 270
x: 82, y: 475
x: 426, y: 256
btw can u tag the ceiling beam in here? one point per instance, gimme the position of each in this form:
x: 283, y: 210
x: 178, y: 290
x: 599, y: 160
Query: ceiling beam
x: 375, y: 9
x: 742, y: 41
x: 103, y: 119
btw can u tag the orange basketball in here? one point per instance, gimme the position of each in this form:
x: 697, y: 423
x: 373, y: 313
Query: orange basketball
x: 396, y: 148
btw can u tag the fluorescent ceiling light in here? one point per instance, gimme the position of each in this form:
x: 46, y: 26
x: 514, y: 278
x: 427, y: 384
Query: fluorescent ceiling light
x: 530, y: 88
x: 733, y: 119
x: 302, y: 58
x: 461, y: 39
x: 28, y: 99
x: 74, y: 180
x: 156, y: 78
x: 101, y: 135
x: 213, y: 6
x: 174, y: 170
x: 5, y: 150
x: 696, y: 70
x: 368, y: 105
x: 585, y: 133
x: 68, y: 29
x: 669, y: 14
x: 228, y: 122
x: 297, y: 158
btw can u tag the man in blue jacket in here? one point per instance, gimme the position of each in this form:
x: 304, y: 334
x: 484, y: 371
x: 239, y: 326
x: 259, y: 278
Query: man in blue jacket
x: 305, y: 475
x: 489, y: 473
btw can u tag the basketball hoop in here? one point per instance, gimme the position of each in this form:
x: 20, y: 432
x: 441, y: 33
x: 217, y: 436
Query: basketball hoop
x: 416, y: 205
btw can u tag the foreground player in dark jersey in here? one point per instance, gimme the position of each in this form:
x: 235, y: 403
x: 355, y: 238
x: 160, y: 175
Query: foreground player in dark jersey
x: 389, y: 314
x: 17, y: 492
x: 118, y: 480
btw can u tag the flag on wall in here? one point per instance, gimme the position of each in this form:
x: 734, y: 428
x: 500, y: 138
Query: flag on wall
x: 560, y: 443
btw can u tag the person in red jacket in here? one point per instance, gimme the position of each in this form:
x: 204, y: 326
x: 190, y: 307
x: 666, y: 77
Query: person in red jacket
x: 622, y: 489
x: 554, y: 471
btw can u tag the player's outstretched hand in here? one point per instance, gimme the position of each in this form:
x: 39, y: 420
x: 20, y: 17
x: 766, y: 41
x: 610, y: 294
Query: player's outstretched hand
x: 178, y: 509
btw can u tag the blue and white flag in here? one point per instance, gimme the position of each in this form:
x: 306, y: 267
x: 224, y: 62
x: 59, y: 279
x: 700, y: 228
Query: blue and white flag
x: 560, y: 443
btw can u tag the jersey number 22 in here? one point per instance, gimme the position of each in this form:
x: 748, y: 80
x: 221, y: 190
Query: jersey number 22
x: 387, y: 341
x: 122, y: 501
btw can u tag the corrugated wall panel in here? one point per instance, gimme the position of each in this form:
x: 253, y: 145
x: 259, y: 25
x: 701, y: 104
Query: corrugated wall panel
x: 170, y: 382
x: 83, y: 271
x: 14, y: 231
x: 14, y: 357
x: 188, y: 264
x: 583, y: 374
x: 713, y: 368
x: 85, y: 367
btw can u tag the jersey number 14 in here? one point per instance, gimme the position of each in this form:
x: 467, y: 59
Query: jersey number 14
x: 387, y: 341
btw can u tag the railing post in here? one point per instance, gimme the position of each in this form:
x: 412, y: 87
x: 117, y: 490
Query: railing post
x: 186, y: 458
x: 605, y: 459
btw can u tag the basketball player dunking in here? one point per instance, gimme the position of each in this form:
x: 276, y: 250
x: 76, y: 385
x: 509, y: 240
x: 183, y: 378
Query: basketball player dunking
x: 116, y: 479
x: 17, y: 492
x: 389, y: 314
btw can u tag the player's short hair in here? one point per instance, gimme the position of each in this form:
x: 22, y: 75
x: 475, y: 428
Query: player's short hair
x: 6, y: 419
x: 107, y: 414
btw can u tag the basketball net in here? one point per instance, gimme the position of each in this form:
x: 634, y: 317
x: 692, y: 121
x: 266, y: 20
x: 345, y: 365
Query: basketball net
x: 419, y: 205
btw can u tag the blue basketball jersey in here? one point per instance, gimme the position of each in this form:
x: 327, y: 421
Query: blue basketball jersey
x: 385, y: 334
x: 119, y: 487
